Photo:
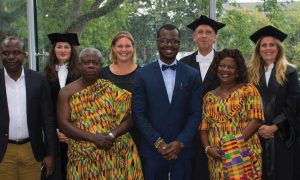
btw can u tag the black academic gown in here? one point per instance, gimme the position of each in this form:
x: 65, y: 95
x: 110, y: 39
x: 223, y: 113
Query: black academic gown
x: 63, y: 147
x: 210, y: 82
x: 278, y: 153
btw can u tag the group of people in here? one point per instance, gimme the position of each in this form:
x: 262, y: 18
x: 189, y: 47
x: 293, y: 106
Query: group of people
x: 206, y: 116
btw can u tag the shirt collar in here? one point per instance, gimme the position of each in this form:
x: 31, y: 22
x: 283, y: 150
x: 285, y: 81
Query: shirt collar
x: 269, y: 68
x: 160, y: 62
x: 21, y: 76
x: 64, y: 66
x: 209, y: 57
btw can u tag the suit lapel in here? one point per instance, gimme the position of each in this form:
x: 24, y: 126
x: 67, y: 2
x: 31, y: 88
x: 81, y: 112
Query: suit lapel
x: 28, y: 82
x: 3, y: 98
x: 210, y: 77
x: 178, y: 83
x: 160, y: 80
x: 272, y: 82
x: 194, y: 63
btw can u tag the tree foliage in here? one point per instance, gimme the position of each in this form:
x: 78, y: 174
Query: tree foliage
x: 97, y: 21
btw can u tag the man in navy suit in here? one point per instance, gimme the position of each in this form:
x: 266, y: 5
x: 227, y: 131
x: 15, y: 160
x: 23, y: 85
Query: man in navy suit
x: 28, y: 137
x: 166, y: 108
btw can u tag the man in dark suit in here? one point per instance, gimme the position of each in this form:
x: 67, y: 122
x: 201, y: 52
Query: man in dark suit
x: 167, y: 110
x: 204, y: 34
x: 27, y: 126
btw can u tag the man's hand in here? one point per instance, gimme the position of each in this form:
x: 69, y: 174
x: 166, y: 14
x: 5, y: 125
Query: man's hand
x: 172, y: 150
x: 49, y: 163
x: 267, y: 131
x: 103, y: 141
x: 162, y: 147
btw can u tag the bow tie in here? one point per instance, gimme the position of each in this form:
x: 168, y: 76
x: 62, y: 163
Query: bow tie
x: 172, y: 67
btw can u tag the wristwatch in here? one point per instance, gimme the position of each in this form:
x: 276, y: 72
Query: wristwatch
x: 111, y: 135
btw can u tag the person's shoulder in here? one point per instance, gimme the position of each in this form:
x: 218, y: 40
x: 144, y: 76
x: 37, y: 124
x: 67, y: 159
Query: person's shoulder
x: 291, y: 69
x: 70, y: 88
x: 249, y: 88
x: 147, y: 67
x: 104, y: 72
x: 188, y: 57
x: 105, y: 69
x: 34, y: 74
x: 188, y: 68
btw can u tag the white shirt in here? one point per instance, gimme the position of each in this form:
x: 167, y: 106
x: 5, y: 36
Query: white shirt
x: 204, y: 62
x: 62, y: 73
x: 169, y: 78
x: 17, y: 107
x: 268, y: 71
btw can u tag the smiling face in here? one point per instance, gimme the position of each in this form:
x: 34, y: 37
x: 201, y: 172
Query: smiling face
x: 205, y: 36
x: 168, y: 45
x: 12, y: 55
x: 62, y: 51
x: 227, y: 71
x: 123, y: 49
x: 268, y: 50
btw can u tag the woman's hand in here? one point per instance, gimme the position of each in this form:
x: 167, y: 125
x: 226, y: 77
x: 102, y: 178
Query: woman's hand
x: 62, y: 137
x: 214, y: 152
x: 267, y: 131
x: 103, y: 141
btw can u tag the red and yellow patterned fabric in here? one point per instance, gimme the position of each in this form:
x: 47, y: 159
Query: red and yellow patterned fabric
x: 99, y: 108
x: 225, y: 119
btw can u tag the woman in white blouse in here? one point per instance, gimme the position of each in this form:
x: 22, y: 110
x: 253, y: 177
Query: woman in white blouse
x: 60, y: 70
x: 277, y: 81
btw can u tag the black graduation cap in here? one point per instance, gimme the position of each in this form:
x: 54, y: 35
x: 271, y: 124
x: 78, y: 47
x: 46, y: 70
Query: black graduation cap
x: 268, y: 31
x: 64, y: 37
x: 205, y: 20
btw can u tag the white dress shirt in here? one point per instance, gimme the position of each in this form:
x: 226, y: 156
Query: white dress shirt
x: 204, y: 62
x: 62, y: 73
x: 268, y: 71
x: 17, y: 107
x: 169, y: 78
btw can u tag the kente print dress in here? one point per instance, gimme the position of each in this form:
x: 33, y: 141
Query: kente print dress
x: 225, y: 119
x: 99, y: 108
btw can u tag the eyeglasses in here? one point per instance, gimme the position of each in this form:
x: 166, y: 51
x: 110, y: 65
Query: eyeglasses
x: 14, y: 53
x: 167, y: 41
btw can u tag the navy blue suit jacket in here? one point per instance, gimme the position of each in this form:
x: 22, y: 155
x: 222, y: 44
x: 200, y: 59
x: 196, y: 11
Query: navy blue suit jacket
x: 40, y: 118
x: 156, y: 117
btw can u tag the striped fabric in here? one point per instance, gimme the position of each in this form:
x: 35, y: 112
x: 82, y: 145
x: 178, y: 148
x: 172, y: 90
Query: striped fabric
x: 99, y: 108
x: 225, y: 119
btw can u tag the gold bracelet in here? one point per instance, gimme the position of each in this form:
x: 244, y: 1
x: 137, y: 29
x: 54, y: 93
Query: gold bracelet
x: 206, y: 148
x: 158, y: 142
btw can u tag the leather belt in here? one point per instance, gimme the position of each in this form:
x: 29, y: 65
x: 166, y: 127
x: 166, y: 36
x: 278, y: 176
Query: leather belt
x: 19, y: 141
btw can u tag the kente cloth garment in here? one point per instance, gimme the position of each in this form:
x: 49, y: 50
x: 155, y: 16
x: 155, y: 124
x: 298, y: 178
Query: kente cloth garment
x: 225, y: 119
x: 100, y: 108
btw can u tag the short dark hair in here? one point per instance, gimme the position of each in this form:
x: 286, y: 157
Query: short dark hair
x: 167, y: 27
x: 240, y: 62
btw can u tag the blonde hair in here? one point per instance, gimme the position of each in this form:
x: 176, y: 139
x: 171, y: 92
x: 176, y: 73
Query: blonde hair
x: 255, y: 68
x: 119, y: 35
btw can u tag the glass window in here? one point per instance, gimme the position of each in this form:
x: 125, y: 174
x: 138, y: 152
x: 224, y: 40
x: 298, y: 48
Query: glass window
x: 96, y: 22
x: 13, y: 20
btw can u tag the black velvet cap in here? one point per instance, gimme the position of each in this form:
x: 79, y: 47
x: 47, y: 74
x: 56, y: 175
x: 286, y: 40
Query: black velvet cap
x: 205, y: 20
x: 268, y: 31
x: 64, y: 37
